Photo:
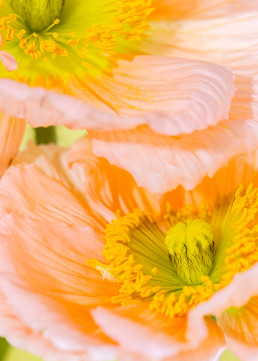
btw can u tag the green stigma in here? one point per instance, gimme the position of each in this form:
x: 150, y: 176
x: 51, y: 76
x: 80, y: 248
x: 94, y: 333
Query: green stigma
x: 191, y: 250
x: 38, y: 14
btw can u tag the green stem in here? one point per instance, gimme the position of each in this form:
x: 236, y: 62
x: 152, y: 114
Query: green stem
x: 3, y: 348
x: 45, y: 135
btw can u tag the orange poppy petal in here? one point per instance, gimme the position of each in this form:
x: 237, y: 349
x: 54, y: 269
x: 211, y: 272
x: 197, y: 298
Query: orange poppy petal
x: 44, y: 265
x: 199, y: 9
x: 241, y: 325
x: 11, y: 133
x: 30, y: 192
x: 58, y: 264
x: 162, y: 163
x: 240, y: 170
x: 110, y: 188
x: 172, y: 96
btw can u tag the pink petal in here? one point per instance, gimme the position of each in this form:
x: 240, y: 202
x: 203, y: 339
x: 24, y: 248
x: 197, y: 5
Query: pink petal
x: 156, y: 337
x: 54, y: 341
x: 21, y: 336
x: 8, y: 61
x: 243, y: 351
x: 172, y: 96
x: 161, y: 163
x: 228, y: 41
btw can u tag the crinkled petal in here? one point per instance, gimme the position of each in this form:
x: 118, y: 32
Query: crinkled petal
x: 228, y: 41
x: 161, y: 163
x: 157, y: 337
x: 172, y: 96
x: 11, y: 133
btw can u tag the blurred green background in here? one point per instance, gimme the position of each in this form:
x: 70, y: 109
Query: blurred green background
x: 64, y: 138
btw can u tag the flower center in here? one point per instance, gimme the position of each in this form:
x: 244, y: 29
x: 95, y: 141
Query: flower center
x: 174, y: 270
x: 91, y: 35
x: 191, y: 250
x: 38, y: 14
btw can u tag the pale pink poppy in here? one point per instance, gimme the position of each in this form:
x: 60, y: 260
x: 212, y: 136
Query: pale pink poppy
x: 88, y: 267
x: 158, y: 106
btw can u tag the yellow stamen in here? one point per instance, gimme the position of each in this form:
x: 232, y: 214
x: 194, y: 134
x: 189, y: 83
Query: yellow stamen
x: 135, y: 283
x: 191, y: 249
x: 57, y: 21
x: 243, y: 252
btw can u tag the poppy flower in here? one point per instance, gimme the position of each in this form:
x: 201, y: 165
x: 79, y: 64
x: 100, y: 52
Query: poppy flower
x: 95, y: 268
x: 133, y: 75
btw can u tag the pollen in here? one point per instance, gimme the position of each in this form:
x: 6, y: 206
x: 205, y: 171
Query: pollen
x: 191, y: 249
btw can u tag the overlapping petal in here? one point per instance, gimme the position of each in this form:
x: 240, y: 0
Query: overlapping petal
x: 152, y: 337
x: 170, y: 161
x: 228, y: 41
x: 172, y: 96
x: 210, y: 40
